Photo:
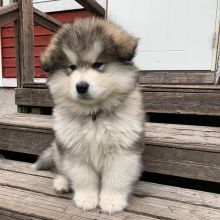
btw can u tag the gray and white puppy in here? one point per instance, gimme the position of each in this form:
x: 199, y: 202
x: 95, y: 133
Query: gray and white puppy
x: 98, y: 113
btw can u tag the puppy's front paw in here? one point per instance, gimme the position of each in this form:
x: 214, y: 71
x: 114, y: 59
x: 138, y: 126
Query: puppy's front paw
x: 86, y: 200
x: 113, y: 202
x: 61, y: 184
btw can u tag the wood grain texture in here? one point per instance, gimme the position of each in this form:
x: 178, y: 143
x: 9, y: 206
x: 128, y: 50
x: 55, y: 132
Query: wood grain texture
x: 191, y: 137
x: 35, y: 85
x: 182, y: 163
x: 25, y: 42
x: 180, y: 150
x: 9, y: 215
x: 181, y: 99
x: 92, y: 6
x: 183, y: 150
x: 17, y: 169
x: 25, y: 133
x: 36, y: 198
x: 177, y: 77
x: 28, y: 121
x: 22, y: 167
x: 182, y: 103
x: 31, y: 141
x: 46, y: 20
x: 8, y: 14
x: 180, y: 88
x: 33, y: 97
x: 49, y: 207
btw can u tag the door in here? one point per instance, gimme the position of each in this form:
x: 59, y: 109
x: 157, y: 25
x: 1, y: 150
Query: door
x: 174, y: 34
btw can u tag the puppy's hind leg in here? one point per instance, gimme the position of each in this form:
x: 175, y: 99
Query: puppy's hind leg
x: 119, y: 173
x: 45, y: 161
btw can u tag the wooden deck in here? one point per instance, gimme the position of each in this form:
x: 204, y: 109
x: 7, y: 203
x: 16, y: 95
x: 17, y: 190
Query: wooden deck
x: 28, y: 194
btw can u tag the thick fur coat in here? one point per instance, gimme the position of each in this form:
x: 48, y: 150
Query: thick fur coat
x: 98, y: 113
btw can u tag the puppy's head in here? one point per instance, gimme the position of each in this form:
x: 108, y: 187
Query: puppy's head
x: 89, y: 63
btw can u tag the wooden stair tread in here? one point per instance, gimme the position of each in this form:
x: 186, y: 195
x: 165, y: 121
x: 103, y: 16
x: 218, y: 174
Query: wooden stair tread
x: 35, y: 197
x: 171, y: 135
x: 162, y: 87
x: 27, y: 120
x: 179, y: 150
x: 176, y: 99
x: 183, y: 136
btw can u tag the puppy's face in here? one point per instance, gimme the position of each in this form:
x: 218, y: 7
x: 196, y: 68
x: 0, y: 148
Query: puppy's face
x: 89, y: 62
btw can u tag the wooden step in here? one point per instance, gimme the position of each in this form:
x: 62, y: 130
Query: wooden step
x: 28, y: 194
x: 182, y: 99
x: 179, y: 150
x: 158, y: 98
x: 183, y: 150
x: 25, y: 133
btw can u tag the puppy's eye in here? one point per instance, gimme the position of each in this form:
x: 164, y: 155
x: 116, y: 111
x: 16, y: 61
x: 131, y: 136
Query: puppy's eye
x: 98, y: 66
x: 72, y: 67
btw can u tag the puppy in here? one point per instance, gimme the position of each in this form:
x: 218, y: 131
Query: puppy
x: 98, y: 113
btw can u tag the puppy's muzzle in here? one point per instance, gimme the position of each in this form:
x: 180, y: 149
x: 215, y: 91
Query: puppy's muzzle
x: 82, y: 87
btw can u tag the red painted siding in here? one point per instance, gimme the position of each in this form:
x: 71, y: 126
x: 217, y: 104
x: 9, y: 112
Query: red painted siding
x: 41, y: 39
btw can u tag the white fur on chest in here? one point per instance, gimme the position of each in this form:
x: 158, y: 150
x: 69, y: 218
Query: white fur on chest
x: 92, y: 140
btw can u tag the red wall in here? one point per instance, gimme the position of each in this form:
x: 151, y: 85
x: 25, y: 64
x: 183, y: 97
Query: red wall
x: 41, y: 39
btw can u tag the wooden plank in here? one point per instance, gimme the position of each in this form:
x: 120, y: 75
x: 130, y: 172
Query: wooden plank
x: 8, y: 14
x: 42, y: 206
x: 92, y: 6
x: 192, y: 164
x: 36, y: 85
x: 202, y: 138
x: 22, y: 170
x: 9, y: 215
x: 182, y: 103
x: 25, y: 42
x: 180, y: 88
x: 177, y: 77
x: 27, y: 121
x: 188, y: 100
x: 22, y: 167
x: 156, y: 200
x: 33, y: 97
x: 25, y: 133
x: 46, y: 20
x: 27, y: 140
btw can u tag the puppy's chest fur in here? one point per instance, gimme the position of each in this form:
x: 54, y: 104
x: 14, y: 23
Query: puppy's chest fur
x: 92, y: 141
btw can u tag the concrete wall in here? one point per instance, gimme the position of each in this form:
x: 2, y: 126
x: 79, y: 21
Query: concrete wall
x: 7, y: 101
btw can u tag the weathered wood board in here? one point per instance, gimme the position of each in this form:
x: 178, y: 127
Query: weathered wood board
x: 179, y: 150
x: 177, y: 99
x: 31, y: 195
x: 25, y: 133
x: 171, y: 77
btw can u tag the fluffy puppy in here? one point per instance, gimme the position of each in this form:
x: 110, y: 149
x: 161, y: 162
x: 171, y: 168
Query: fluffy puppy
x: 98, y: 115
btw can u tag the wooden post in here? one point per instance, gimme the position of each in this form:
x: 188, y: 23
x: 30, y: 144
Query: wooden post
x: 24, y: 43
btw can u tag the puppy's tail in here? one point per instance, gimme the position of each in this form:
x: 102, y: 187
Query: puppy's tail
x: 46, y: 160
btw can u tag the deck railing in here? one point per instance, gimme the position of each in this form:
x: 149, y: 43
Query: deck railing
x: 24, y: 15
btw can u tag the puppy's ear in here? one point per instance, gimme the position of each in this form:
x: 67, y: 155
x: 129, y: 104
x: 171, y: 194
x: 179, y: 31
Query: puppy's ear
x: 46, y: 60
x: 124, y: 44
x: 52, y: 58
x: 126, y: 47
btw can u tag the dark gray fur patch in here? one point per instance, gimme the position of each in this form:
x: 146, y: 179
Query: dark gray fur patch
x: 80, y: 36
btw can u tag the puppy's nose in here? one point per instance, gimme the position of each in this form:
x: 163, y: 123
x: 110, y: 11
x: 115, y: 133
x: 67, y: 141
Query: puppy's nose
x: 82, y: 87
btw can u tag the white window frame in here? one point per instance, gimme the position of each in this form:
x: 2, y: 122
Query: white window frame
x: 217, y: 40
